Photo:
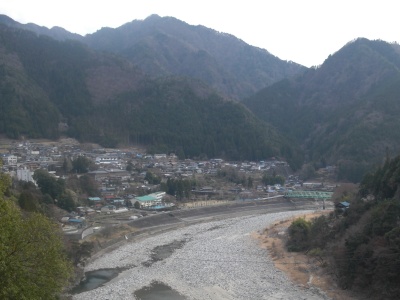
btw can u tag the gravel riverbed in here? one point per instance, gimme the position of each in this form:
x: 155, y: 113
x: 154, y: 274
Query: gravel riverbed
x: 210, y: 261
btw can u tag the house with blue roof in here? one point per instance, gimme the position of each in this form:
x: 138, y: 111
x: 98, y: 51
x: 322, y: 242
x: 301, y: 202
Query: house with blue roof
x: 343, y: 205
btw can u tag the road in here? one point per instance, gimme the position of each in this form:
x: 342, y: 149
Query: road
x: 161, y: 222
x: 218, y: 212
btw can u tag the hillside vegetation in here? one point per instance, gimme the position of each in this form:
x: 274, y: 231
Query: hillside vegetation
x: 343, y: 112
x: 170, y: 86
x: 105, y: 99
x: 361, y: 245
x: 164, y: 46
x: 33, y: 262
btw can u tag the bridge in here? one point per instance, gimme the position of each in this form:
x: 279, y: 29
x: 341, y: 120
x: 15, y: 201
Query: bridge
x: 308, y: 194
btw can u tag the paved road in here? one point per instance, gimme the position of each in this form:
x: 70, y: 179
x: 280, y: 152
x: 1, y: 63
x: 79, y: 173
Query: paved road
x: 236, y: 209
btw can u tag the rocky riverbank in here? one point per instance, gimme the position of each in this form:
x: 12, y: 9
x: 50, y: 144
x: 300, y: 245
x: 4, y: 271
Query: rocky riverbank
x: 302, y: 268
x: 215, y: 260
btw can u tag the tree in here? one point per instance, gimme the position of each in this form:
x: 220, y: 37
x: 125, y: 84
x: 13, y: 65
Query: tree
x: 48, y: 184
x: 28, y: 201
x: 82, y: 164
x: 66, y: 201
x: 5, y: 182
x: 271, y: 180
x: 88, y: 185
x: 152, y: 178
x: 299, y: 233
x: 129, y: 166
x: 249, y: 182
x: 67, y: 165
x: 307, y: 171
x: 33, y: 264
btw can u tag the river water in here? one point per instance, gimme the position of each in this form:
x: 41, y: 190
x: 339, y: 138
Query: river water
x: 158, y: 291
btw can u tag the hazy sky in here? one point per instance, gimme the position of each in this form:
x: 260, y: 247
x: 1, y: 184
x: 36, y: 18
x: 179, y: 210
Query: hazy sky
x: 304, y: 31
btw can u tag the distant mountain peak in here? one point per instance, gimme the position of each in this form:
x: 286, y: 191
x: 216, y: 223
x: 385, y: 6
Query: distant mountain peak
x: 153, y: 17
x: 165, y: 46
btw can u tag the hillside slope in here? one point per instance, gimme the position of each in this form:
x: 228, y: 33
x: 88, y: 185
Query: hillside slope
x: 105, y: 99
x: 345, y: 111
x: 167, y: 46
x: 359, y: 245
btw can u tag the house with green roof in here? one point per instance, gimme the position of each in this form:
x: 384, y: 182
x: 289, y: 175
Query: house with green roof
x: 147, y: 201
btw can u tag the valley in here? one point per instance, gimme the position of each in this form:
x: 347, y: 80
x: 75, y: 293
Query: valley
x: 154, y: 153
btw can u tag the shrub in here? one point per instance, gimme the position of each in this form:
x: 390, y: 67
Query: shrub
x: 299, y: 233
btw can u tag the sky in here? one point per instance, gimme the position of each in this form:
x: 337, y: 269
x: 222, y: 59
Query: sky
x: 303, y: 31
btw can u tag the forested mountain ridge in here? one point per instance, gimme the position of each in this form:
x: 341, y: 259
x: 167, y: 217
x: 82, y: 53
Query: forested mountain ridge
x: 165, y: 46
x: 343, y: 112
x: 44, y: 81
x: 56, y: 33
x: 104, y: 98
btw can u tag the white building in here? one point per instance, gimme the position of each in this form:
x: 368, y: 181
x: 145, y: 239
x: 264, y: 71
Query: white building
x: 25, y: 175
x: 158, y: 195
x: 9, y: 160
x: 107, y: 160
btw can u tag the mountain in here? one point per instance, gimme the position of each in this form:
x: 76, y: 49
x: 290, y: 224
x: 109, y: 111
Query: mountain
x: 56, y: 32
x: 164, y: 46
x: 104, y: 98
x: 344, y: 112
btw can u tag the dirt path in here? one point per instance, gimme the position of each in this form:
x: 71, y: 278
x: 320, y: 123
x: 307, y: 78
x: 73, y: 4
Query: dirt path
x: 300, y: 268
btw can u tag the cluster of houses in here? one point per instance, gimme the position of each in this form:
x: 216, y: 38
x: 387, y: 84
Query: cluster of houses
x: 119, y: 171
x: 120, y: 175
x: 21, y: 159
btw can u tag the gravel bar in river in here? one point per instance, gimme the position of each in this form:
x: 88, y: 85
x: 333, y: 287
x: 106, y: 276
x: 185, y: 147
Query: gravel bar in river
x: 209, y: 261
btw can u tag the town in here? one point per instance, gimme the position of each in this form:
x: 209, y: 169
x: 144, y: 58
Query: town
x: 129, y: 181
